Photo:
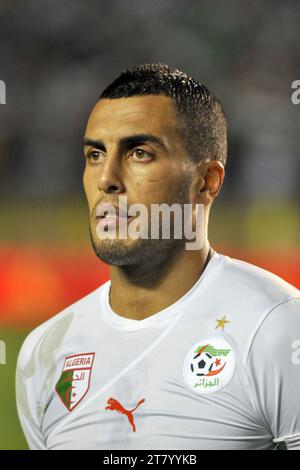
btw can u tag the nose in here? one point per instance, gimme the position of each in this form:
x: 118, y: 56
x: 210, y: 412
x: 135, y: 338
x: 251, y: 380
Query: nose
x: 110, y: 179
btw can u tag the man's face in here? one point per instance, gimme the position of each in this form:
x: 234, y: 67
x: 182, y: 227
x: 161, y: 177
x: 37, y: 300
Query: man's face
x: 133, y: 149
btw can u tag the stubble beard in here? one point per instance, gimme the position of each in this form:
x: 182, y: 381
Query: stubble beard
x: 142, y: 251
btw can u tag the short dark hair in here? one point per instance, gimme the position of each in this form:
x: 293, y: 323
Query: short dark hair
x: 202, y: 120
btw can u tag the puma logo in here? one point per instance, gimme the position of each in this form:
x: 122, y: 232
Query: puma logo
x: 114, y: 405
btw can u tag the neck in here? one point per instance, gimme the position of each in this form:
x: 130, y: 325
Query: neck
x: 138, y: 295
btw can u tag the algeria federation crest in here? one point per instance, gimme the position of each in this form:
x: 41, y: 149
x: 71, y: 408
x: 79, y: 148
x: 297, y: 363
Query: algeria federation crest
x: 74, y: 381
x: 209, y: 365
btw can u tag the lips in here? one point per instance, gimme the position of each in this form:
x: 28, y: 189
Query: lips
x: 109, y: 216
x: 110, y: 210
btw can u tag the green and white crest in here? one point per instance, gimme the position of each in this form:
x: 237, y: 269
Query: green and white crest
x: 209, y: 365
x: 74, y: 381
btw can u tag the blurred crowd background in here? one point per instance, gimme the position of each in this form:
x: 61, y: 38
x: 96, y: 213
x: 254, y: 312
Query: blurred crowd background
x: 56, y: 58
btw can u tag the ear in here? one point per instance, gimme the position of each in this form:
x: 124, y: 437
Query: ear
x: 208, y: 181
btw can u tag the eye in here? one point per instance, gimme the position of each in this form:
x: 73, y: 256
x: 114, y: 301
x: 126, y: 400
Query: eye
x: 141, y: 155
x: 94, y: 156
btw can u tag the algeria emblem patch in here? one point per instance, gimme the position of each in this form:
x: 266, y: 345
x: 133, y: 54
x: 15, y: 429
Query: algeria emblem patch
x: 209, y: 365
x: 74, y: 381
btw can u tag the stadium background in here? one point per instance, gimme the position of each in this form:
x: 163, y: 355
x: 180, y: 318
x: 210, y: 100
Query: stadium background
x: 55, y: 58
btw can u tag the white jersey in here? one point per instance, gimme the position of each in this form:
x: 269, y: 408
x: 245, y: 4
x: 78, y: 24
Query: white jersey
x: 218, y: 369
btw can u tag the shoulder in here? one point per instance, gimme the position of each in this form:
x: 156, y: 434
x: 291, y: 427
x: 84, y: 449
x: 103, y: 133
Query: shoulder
x: 279, y: 333
x: 253, y: 280
x: 47, y: 337
x: 255, y: 300
x: 250, y: 290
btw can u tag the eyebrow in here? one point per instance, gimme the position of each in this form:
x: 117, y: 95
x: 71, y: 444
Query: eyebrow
x: 127, y: 141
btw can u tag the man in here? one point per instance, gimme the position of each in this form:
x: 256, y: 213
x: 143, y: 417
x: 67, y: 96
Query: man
x: 183, y: 348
